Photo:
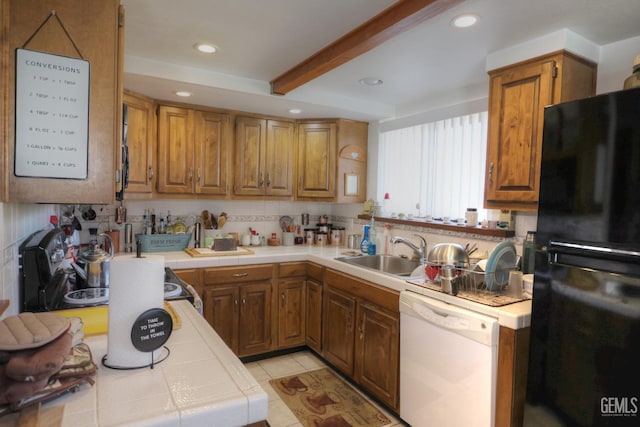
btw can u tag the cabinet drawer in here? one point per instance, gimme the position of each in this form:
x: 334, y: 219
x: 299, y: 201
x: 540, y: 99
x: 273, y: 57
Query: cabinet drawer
x: 237, y: 274
x: 291, y: 269
x: 314, y: 271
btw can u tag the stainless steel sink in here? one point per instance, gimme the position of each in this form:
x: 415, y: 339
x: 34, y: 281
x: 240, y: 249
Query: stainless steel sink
x: 388, y: 264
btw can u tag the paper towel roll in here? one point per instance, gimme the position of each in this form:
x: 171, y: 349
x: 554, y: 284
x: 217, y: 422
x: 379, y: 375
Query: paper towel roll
x: 136, y: 285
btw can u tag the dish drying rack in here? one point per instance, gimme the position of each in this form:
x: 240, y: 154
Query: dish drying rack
x: 472, y: 280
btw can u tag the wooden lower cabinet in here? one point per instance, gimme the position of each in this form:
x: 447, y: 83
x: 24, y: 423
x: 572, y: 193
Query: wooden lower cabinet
x: 339, y: 311
x: 291, y: 312
x: 238, y: 305
x: 221, y: 311
x: 314, y: 315
x: 361, y: 334
x: 377, y: 356
x: 511, y: 387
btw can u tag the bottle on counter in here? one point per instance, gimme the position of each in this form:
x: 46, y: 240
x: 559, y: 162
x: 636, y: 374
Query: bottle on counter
x: 169, y: 224
x: 529, y: 253
x: 364, y: 244
x: 373, y: 238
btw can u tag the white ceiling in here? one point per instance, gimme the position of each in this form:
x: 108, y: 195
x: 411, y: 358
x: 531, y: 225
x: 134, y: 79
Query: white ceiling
x: 261, y: 39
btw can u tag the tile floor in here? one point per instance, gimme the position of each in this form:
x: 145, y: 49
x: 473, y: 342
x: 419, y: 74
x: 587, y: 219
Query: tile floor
x: 281, y: 366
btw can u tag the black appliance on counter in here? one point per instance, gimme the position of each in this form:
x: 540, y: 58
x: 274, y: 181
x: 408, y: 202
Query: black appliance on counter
x: 584, y: 358
x: 47, y: 281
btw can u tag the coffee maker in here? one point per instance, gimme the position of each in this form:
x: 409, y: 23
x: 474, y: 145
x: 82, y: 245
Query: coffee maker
x: 43, y: 281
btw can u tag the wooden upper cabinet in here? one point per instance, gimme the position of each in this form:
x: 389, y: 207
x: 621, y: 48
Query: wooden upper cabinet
x: 192, y: 151
x: 175, y: 150
x: 332, y: 161
x: 279, y: 161
x: 517, y: 98
x: 211, y: 153
x: 91, y: 31
x: 317, y: 160
x: 264, y: 157
x: 140, y: 142
x: 250, y: 134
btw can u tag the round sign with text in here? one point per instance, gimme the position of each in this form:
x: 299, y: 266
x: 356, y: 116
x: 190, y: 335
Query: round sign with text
x: 151, y: 329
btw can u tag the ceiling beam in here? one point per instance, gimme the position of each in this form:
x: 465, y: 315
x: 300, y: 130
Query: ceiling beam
x: 399, y: 17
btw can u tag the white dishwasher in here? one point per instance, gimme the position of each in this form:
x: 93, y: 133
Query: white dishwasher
x: 448, y: 364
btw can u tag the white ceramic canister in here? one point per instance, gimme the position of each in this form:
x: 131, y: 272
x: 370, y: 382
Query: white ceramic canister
x: 337, y: 234
x: 321, y: 238
x: 310, y: 235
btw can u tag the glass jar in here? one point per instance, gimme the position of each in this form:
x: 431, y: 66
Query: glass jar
x: 471, y: 216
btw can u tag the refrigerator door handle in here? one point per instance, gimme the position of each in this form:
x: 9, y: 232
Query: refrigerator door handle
x: 590, y: 250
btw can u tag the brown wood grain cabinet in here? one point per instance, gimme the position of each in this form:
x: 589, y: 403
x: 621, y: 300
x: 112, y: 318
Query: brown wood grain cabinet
x: 361, y: 333
x: 193, y: 150
x: 338, y: 329
x: 291, y: 300
x: 377, y: 352
x: 517, y: 98
x: 193, y: 277
x: 511, y: 385
x: 141, y: 141
x: 91, y: 31
x: 264, y: 155
x: 332, y: 160
x: 314, y: 306
x: 238, y: 305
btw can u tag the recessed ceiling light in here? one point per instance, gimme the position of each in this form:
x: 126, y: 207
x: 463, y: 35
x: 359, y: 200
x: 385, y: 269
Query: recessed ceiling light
x: 206, y: 47
x: 295, y: 110
x: 370, y: 81
x: 465, y: 20
x: 183, y: 93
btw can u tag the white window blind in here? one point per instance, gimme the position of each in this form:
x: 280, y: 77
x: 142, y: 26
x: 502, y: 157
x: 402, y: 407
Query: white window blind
x: 437, y: 166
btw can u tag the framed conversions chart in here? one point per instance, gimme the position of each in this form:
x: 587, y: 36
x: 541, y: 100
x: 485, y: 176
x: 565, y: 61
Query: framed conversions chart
x: 52, y: 115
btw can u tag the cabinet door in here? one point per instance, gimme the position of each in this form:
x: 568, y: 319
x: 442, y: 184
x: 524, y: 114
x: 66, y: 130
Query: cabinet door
x: 279, y: 159
x: 255, y: 319
x: 175, y: 150
x: 317, y: 160
x: 338, y: 330
x: 192, y: 276
x: 291, y: 312
x: 250, y: 136
x: 518, y: 98
x: 140, y: 142
x: 378, y: 352
x: 211, y: 150
x: 314, y: 315
x: 221, y: 311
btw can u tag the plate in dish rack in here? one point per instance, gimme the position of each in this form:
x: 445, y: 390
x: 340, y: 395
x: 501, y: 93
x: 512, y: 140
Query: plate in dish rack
x: 500, y: 262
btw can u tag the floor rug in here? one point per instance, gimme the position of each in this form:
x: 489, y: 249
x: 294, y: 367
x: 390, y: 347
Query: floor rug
x: 321, y: 399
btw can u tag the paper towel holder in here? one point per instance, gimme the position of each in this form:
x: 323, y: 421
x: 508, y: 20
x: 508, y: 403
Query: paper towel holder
x: 149, y: 332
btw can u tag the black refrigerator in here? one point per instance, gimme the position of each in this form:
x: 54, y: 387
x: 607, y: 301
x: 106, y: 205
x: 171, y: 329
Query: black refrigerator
x: 584, y: 357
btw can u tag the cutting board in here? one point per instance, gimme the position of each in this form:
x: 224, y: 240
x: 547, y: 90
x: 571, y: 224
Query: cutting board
x: 206, y: 252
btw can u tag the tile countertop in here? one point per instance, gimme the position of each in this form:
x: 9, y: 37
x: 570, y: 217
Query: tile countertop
x: 513, y: 316
x: 201, y: 383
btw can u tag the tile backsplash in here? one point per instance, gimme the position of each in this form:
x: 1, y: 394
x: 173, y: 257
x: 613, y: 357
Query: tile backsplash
x: 17, y: 221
